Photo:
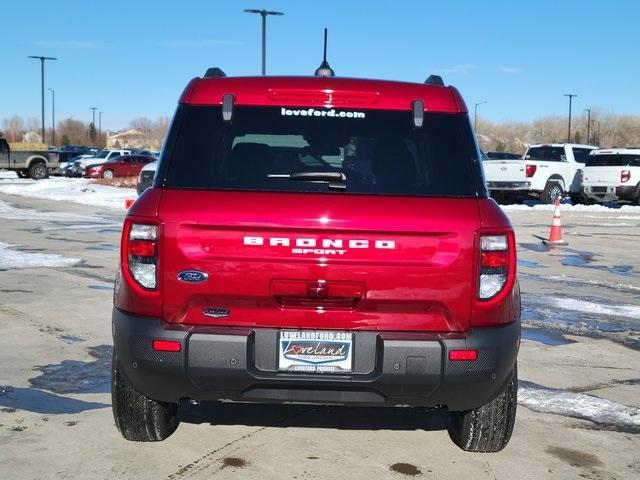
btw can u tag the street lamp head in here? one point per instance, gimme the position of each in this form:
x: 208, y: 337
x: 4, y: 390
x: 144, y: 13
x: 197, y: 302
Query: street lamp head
x: 262, y: 12
x: 41, y: 58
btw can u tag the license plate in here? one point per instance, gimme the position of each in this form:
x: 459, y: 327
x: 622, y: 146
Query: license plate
x: 315, y: 351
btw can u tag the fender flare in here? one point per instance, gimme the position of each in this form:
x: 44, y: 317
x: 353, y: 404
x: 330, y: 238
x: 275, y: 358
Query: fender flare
x: 556, y: 177
x: 36, y: 159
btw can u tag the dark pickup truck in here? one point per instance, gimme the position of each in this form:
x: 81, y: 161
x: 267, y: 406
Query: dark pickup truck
x: 34, y: 164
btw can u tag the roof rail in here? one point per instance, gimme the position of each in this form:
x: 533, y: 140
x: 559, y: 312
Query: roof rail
x: 214, y: 72
x: 434, y: 80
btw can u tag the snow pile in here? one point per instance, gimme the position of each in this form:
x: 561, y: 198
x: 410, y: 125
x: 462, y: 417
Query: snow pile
x: 578, y: 405
x: 14, y: 259
x: 572, y: 208
x: 78, y: 190
x: 4, y: 174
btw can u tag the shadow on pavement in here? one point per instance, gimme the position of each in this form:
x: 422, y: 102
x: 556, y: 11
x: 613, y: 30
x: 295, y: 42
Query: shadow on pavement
x: 308, y: 416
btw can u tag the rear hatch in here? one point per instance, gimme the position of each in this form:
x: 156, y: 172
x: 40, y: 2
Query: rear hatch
x: 336, y: 223
x: 304, y: 260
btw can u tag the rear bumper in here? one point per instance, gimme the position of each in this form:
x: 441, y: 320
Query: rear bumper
x: 239, y: 364
x: 611, y: 193
x: 509, y: 186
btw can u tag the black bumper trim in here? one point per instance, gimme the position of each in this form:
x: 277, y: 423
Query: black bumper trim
x: 238, y: 364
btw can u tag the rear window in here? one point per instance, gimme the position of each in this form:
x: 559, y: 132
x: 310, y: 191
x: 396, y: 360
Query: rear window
x: 550, y: 154
x: 377, y: 152
x: 620, y: 160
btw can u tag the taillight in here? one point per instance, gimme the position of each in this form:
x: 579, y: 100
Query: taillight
x: 531, y: 170
x: 625, y: 175
x: 141, y: 254
x: 494, y: 265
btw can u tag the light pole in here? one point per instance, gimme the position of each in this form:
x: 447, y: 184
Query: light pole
x: 588, y: 110
x: 570, y: 95
x: 100, y: 126
x: 42, y: 60
x: 475, y: 113
x: 93, y: 122
x: 263, y: 14
x: 53, y: 116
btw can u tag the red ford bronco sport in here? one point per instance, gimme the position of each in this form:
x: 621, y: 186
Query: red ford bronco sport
x: 318, y: 240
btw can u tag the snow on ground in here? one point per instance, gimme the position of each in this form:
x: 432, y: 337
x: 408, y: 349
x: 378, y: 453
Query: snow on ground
x: 581, y: 305
x: 588, y: 281
x: 10, y: 258
x: 578, y: 405
x: 583, y: 316
x: 4, y: 174
x: 9, y: 212
x: 78, y: 190
x: 573, y: 208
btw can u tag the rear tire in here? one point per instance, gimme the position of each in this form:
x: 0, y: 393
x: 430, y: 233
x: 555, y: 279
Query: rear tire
x: 38, y: 171
x: 138, y: 418
x: 552, y: 190
x: 108, y: 174
x: 487, y: 428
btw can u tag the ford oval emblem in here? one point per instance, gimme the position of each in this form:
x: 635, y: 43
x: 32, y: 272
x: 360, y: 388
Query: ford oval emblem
x: 193, y: 276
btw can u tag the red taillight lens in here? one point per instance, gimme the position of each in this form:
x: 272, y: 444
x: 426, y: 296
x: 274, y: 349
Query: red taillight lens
x: 495, y: 259
x: 141, y: 254
x: 625, y: 175
x: 531, y: 170
x: 494, y: 265
x: 463, y: 355
x: 142, y: 248
x: 167, y: 346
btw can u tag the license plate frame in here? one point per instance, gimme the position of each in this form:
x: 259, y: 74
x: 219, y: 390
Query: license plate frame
x: 315, y: 351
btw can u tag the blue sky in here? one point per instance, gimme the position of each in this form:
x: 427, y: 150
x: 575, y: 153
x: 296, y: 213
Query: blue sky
x: 133, y: 58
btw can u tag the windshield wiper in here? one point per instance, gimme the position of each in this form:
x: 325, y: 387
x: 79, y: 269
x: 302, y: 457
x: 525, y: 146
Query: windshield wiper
x: 337, y: 180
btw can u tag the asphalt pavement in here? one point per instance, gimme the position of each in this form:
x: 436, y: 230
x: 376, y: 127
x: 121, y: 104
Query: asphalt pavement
x: 579, y: 367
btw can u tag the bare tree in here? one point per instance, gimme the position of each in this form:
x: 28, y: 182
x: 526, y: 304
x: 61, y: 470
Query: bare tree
x: 13, y: 128
x: 75, y: 130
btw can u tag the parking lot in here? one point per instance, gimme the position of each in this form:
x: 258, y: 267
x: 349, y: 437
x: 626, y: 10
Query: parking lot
x: 579, y: 367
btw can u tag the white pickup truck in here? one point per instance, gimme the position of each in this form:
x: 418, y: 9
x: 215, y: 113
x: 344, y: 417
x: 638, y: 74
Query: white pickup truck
x: 612, y: 175
x: 546, y: 171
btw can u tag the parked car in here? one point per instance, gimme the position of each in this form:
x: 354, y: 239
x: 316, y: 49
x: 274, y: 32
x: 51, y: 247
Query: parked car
x: 334, y: 245
x: 122, y: 166
x: 27, y: 163
x: 503, y: 156
x: 147, y: 174
x: 65, y: 167
x: 67, y: 152
x: 545, y: 171
x: 612, y: 175
x: 103, y: 156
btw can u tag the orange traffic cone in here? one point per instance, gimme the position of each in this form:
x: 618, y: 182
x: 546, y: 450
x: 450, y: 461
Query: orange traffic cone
x: 128, y: 202
x: 555, y: 234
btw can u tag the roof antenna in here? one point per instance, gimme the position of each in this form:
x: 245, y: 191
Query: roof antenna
x: 324, y: 70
